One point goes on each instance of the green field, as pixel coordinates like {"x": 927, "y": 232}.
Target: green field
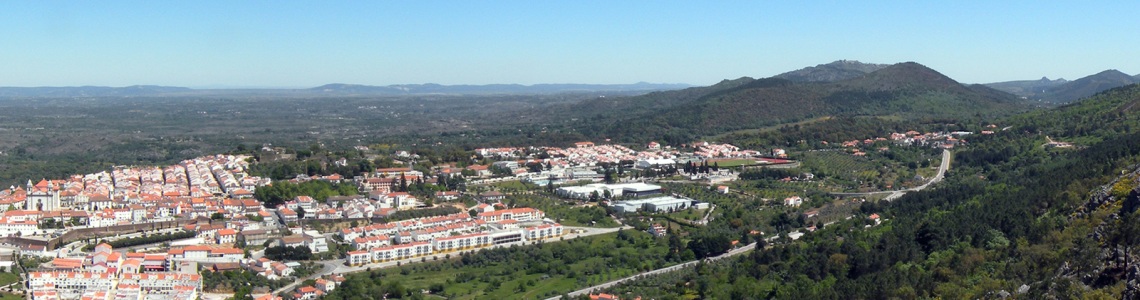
{"x": 8, "y": 278}
{"x": 529, "y": 272}
{"x": 736, "y": 163}
{"x": 515, "y": 185}
{"x": 564, "y": 212}
{"x": 843, "y": 171}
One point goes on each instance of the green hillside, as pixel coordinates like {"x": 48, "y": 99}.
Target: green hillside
{"x": 1026, "y": 87}
{"x": 1084, "y": 87}
{"x": 905, "y": 90}
{"x": 1013, "y": 218}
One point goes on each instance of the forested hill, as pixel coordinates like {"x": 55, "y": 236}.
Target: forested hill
{"x": 1027, "y": 87}
{"x": 1014, "y": 218}
{"x": 1084, "y": 87}
{"x": 831, "y": 72}
{"x": 906, "y": 90}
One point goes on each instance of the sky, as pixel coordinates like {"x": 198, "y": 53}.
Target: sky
{"x": 311, "y": 43}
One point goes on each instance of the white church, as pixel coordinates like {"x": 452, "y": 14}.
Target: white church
{"x": 43, "y": 196}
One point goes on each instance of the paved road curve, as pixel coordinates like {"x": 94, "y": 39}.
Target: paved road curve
{"x": 895, "y": 194}
{"x": 654, "y": 272}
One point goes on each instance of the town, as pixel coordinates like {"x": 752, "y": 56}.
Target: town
{"x": 156, "y": 232}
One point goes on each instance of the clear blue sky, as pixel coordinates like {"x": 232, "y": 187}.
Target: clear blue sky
{"x": 303, "y": 44}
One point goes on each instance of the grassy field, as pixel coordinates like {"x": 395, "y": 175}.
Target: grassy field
{"x": 565, "y": 212}
{"x": 515, "y": 185}
{"x": 735, "y": 163}
{"x": 8, "y": 278}
{"x": 507, "y": 280}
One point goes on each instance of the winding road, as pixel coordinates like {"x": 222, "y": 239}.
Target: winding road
{"x": 896, "y": 194}
{"x": 609, "y": 284}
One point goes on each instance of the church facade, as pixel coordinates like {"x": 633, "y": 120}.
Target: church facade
{"x": 44, "y": 196}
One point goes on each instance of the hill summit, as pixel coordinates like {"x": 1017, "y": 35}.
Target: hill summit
{"x": 1027, "y": 88}
{"x": 831, "y": 72}
{"x": 1086, "y": 86}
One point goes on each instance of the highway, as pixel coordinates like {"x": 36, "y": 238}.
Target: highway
{"x": 896, "y": 194}
{"x": 609, "y": 284}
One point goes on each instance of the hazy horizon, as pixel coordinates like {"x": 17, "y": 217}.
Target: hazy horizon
{"x": 297, "y": 44}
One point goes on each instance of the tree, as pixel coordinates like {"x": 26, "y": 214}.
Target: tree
{"x": 300, "y": 212}
{"x": 217, "y": 216}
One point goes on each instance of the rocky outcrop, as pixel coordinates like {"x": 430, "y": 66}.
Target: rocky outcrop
{"x": 1116, "y": 259}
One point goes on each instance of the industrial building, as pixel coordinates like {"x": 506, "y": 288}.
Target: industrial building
{"x": 659, "y": 204}
{"x": 615, "y": 190}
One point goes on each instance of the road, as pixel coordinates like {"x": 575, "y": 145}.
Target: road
{"x": 896, "y": 194}
{"x": 705, "y": 220}
{"x": 329, "y": 267}
{"x": 654, "y": 272}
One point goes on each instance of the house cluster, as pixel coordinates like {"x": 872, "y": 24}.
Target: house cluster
{"x": 270, "y": 269}
{"x": 419, "y": 230}
{"x": 909, "y": 138}
{"x": 794, "y": 201}
{"x": 444, "y": 234}
{"x": 377, "y": 203}
{"x": 561, "y": 165}
{"x": 114, "y": 275}
{"x": 386, "y": 180}
{"x": 224, "y": 233}
{"x": 332, "y": 178}
{"x": 712, "y": 150}
{"x": 506, "y": 152}
{"x": 376, "y": 235}
{"x": 126, "y": 195}
{"x": 320, "y": 287}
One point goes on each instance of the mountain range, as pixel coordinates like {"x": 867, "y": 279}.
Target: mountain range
{"x": 335, "y": 89}
{"x": 906, "y": 90}
{"x": 431, "y": 88}
{"x": 1061, "y": 91}
{"x": 90, "y": 91}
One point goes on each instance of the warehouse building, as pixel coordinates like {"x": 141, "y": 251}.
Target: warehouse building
{"x": 659, "y": 204}
{"x": 615, "y": 190}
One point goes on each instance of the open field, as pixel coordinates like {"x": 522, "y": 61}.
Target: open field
{"x": 735, "y": 163}
{"x": 554, "y": 269}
